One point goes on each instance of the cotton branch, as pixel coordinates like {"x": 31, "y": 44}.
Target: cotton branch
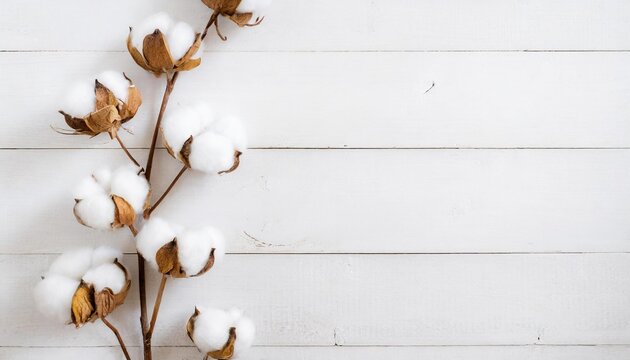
{"x": 120, "y": 340}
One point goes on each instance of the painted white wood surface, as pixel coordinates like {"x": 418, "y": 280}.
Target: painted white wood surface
{"x": 351, "y": 201}
{"x": 352, "y": 99}
{"x": 338, "y": 261}
{"x": 350, "y": 300}
{"x": 336, "y": 25}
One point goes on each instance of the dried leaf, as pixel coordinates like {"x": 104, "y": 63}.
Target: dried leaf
{"x": 104, "y": 96}
{"x": 223, "y": 6}
{"x": 190, "y": 325}
{"x": 125, "y": 214}
{"x": 237, "y": 162}
{"x": 136, "y": 55}
{"x": 241, "y": 19}
{"x": 103, "y": 119}
{"x": 76, "y": 123}
{"x": 168, "y": 261}
{"x": 82, "y": 304}
{"x": 185, "y": 151}
{"x": 190, "y": 53}
{"x": 156, "y": 52}
{"x": 227, "y": 351}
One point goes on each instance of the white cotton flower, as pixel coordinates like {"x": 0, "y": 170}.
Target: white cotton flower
{"x": 105, "y": 255}
{"x": 215, "y": 142}
{"x": 160, "y": 21}
{"x": 80, "y": 100}
{"x": 116, "y": 82}
{"x": 106, "y": 276}
{"x": 72, "y": 264}
{"x": 180, "y": 38}
{"x": 253, "y": 6}
{"x": 95, "y": 206}
{"x": 128, "y": 185}
{"x": 53, "y": 297}
{"x": 211, "y": 329}
{"x": 211, "y": 153}
{"x": 155, "y": 233}
{"x": 195, "y": 246}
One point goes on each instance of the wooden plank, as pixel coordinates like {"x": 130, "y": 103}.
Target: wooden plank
{"x": 352, "y": 201}
{"x": 323, "y": 300}
{"x": 335, "y": 25}
{"x": 352, "y": 99}
{"x": 342, "y": 353}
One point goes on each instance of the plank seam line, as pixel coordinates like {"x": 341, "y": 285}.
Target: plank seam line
{"x": 317, "y": 346}
{"x": 335, "y": 148}
{"x": 344, "y": 51}
{"x": 374, "y": 253}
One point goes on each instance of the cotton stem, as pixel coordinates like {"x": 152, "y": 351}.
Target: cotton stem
{"x": 156, "y": 306}
{"x": 124, "y": 148}
{"x": 120, "y": 340}
{"x": 148, "y": 212}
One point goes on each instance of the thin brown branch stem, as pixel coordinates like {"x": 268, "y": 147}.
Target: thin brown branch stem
{"x": 120, "y": 340}
{"x": 170, "y": 187}
{"x": 170, "y": 84}
{"x": 122, "y": 146}
{"x": 212, "y": 20}
{"x": 156, "y": 306}
{"x": 143, "y": 301}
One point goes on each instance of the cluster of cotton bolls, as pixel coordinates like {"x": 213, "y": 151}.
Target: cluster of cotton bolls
{"x": 96, "y": 267}
{"x": 161, "y": 44}
{"x": 110, "y": 199}
{"x": 194, "y": 136}
{"x": 193, "y": 253}
{"x": 220, "y": 334}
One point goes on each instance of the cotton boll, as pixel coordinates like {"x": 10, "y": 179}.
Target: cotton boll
{"x": 161, "y": 21}
{"x": 212, "y": 329}
{"x": 72, "y": 264}
{"x": 193, "y": 250}
{"x": 96, "y": 211}
{"x": 116, "y": 82}
{"x": 245, "y": 333}
{"x": 53, "y": 297}
{"x": 179, "y": 125}
{"x": 132, "y": 187}
{"x": 106, "y": 276}
{"x": 232, "y": 128}
{"x": 154, "y": 234}
{"x": 86, "y": 188}
{"x": 205, "y": 114}
{"x": 103, "y": 176}
{"x": 81, "y": 100}
{"x": 211, "y": 153}
{"x": 180, "y": 38}
{"x": 105, "y": 255}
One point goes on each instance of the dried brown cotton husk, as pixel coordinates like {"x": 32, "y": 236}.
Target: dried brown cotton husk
{"x": 230, "y": 9}
{"x": 168, "y": 262}
{"x": 109, "y": 112}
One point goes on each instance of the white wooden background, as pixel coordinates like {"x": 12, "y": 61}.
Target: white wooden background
{"x": 431, "y": 179}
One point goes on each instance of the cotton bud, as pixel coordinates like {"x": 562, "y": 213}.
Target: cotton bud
{"x": 161, "y": 45}
{"x": 193, "y": 136}
{"x": 108, "y": 200}
{"x": 178, "y": 252}
{"x": 240, "y": 11}
{"x": 103, "y": 105}
{"x": 82, "y": 285}
{"x": 220, "y": 334}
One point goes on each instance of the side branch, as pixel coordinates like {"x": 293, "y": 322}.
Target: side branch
{"x": 148, "y": 212}
{"x": 120, "y": 340}
{"x": 156, "y": 306}
{"x": 170, "y": 84}
{"x": 122, "y": 146}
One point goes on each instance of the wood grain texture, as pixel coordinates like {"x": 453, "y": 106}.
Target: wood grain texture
{"x": 342, "y": 353}
{"x": 323, "y": 300}
{"x": 360, "y": 201}
{"x": 355, "y": 100}
{"x": 336, "y": 25}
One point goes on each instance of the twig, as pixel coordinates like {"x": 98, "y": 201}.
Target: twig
{"x": 120, "y": 340}
{"x": 143, "y": 301}
{"x": 122, "y": 146}
{"x": 212, "y": 20}
{"x": 148, "y": 212}
{"x": 170, "y": 83}
{"x": 156, "y": 306}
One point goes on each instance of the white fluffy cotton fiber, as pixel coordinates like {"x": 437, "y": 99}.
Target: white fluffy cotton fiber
{"x": 155, "y": 233}
{"x": 80, "y": 100}
{"x": 106, "y": 276}
{"x": 212, "y": 329}
{"x": 116, "y": 82}
{"x": 179, "y": 35}
{"x": 53, "y": 297}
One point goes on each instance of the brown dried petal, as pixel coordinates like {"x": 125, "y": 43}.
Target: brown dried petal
{"x": 130, "y": 108}
{"x": 191, "y": 51}
{"x": 125, "y": 214}
{"x": 227, "y": 351}
{"x": 185, "y": 151}
{"x": 190, "y": 325}
{"x": 189, "y": 65}
{"x": 103, "y": 119}
{"x": 82, "y": 304}
{"x": 156, "y": 52}
{"x": 208, "y": 265}
{"x": 168, "y": 261}
{"x": 76, "y": 123}
{"x": 106, "y": 301}
{"x": 237, "y": 162}
{"x": 241, "y": 19}
{"x": 104, "y": 96}
{"x": 136, "y": 55}
{"x": 223, "y": 6}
